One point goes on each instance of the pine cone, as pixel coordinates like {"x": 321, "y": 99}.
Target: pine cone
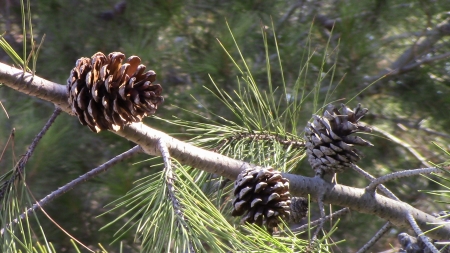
{"x": 411, "y": 244}
{"x": 262, "y": 194}
{"x": 329, "y": 143}
{"x": 299, "y": 209}
{"x": 106, "y": 94}
{"x": 443, "y": 215}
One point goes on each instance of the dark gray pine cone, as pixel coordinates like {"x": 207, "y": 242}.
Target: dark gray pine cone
{"x": 411, "y": 244}
{"x": 106, "y": 94}
{"x": 329, "y": 144}
{"x": 299, "y": 209}
{"x": 443, "y": 215}
{"x": 262, "y": 196}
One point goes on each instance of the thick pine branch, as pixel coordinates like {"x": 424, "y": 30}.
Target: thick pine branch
{"x": 148, "y": 138}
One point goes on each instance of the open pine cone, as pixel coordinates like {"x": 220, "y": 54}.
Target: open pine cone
{"x": 106, "y": 94}
{"x": 262, "y": 194}
{"x": 329, "y": 143}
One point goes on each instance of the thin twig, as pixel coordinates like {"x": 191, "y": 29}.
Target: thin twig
{"x": 432, "y": 131}
{"x": 62, "y": 229}
{"x": 261, "y": 136}
{"x": 322, "y": 218}
{"x": 38, "y": 137}
{"x": 20, "y": 166}
{"x": 11, "y": 135}
{"x": 408, "y": 147}
{"x": 72, "y": 184}
{"x": 416, "y": 63}
{"x": 4, "y": 109}
{"x": 170, "y": 177}
{"x": 305, "y": 227}
{"x": 376, "y": 237}
{"x": 287, "y": 15}
{"x": 388, "y": 193}
{"x": 420, "y": 234}
{"x": 386, "y": 40}
{"x": 408, "y": 60}
{"x": 399, "y": 174}
{"x": 415, "y": 124}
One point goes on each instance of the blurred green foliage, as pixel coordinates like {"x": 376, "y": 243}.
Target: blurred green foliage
{"x": 178, "y": 39}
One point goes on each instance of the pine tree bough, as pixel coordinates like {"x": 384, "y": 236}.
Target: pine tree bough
{"x": 355, "y": 198}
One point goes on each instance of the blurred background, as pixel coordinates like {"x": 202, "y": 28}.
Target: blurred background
{"x": 178, "y": 39}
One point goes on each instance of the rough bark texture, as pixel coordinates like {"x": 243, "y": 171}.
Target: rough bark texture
{"x": 34, "y": 86}
{"x": 341, "y": 195}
